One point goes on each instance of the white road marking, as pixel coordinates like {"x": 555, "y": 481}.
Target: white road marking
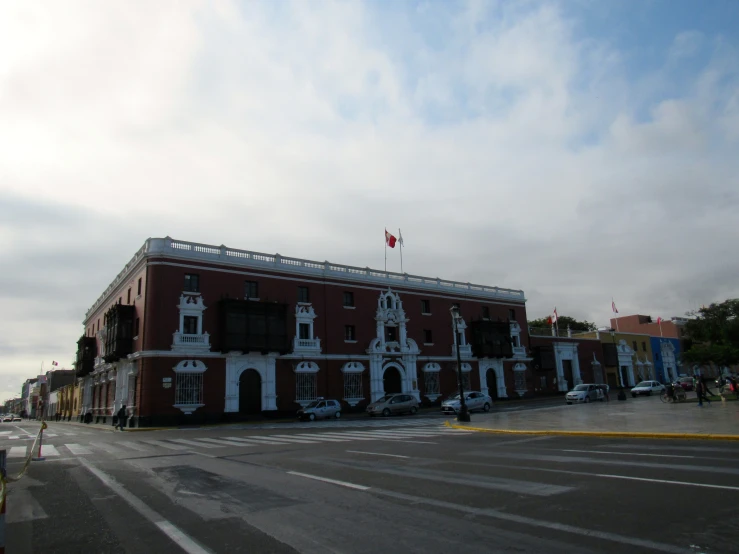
{"x": 17, "y": 452}
{"x": 626, "y": 453}
{"x": 332, "y": 481}
{"x": 49, "y": 450}
{"x": 223, "y": 442}
{"x": 104, "y": 446}
{"x": 307, "y": 439}
{"x": 292, "y": 439}
{"x": 377, "y": 454}
{"x": 327, "y": 437}
{"x": 419, "y": 442}
{"x": 5, "y": 432}
{"x": 78, "y": 449}
{"x": 686, "y": 483}
{"x": 134, "y": 446}
{"x": 256, "y": 440}
{"x": 24, "y": 507}
{"x": 182, "y": 540}
{"x": 194, "y": 443}
{"x": 163, "y": 444}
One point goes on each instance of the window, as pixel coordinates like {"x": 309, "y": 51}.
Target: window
{"x": 543, "y": 381}
{"x": 139, "y": 289}
{"x": 466, "y": 380}
{"x": 432, "y": 382}
{"x": 520, "y": 380}
{"x": 304, "y": 331}
{"x": 390, "y": 334}
{"x": 353, "y": 385}
{"x": 251, "y": 289}
{"x": 136, "y": 327}
{"x": 486, "y": 312}
{"x": 128, "y": 297}
{"x": 349, "y": 332}
{"x": 644, "y": 346}
{"x": 190, "y": 325}
{"x": 189, "y": 388}
{"x": 305, "y": 387}
{"x": 131, "y": 390}
{"x": 427, "y": 336}
{"x": 512, "y": 314}
{"x": 636, "y": 348}
{"x": 303, "y": 294}
{"x": 425, "y": 306}
{"x": 192, "y": 282}
{"x": 348, "y": 299}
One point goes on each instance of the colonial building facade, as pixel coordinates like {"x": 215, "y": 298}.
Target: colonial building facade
{"x": 192, "y": 332}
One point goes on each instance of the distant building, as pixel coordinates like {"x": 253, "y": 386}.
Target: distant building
{"x": 197, "y": 333}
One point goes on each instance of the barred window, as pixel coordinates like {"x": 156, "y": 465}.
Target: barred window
{"x": 189, "y": 388}
{"x": 520, "y": 380}
{"x": 432, "y": 382}
{"x": 131, "y": 402}
{"x": 466, "y": 385}
{"x": 353, "y": 385}
{"x": 305, "y": 386}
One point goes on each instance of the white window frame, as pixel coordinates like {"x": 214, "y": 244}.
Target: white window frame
{"x": 306, "y": 383}
{"x": 304, "y": 315}
{"x": 466, "y": 377}
{"x": 189, "y": 379}
{"x": 353, "y": 388}
{"x": 191, "y": 305}
{"x": 431, "y": 375}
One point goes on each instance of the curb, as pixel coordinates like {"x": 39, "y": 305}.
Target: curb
{"x": 601, "y": 434}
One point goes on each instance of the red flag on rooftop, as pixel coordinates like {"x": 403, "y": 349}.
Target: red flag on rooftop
{"x": 613, "y": 307}
{"x": 390, "y": 239}
{"x": 555, "y": 317}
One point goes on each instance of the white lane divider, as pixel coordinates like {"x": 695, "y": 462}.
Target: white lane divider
{"x": 332, "y": 481}
{"x": 223, "y": 442}
{"x": 167, "y": 445}
{"x": 665, "y": 481}
{"x": 198, "y": 444}
{"x": 104, "y": 446}
{"x": 626, "y": 453}
{"x": 377, "y": 454}
{"x": 134, "y": 446}
{"x": 182, "y": 540}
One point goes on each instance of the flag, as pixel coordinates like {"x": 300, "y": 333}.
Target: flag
{"x": 659, "y": 321}
{"x": 390, "y": 239}
{"x": 554, "y": 317}
{"x": 613, "y": 307}
{"x": 54, "y": 363}
{"x": 549, "y": 320}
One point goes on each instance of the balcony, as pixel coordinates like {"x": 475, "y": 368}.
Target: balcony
{"x": 306, "y": 346}
{"x": 519, "y": 351}
{"x": 200, "y": 343}
{"x": 465, "y": 350}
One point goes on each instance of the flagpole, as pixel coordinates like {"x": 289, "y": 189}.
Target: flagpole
{"x": 400, "y": 236}
{"x": 615, "y": 316}
{"x": 385, "y": 249}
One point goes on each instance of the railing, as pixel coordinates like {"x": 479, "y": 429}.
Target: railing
{"x": 191, "y": 341}
{"x": 165, "y": 246}
{"x": 465, "y": 350}
{"x": 519, "y": 351}
{"x": 306, "y": 344}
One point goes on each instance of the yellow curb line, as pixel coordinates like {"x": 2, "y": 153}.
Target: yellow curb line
{"x": 604, "y": 434}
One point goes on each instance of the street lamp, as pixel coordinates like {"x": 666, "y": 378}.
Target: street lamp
{"x": 464, "y": 414}
{"x": 615, "y": 350}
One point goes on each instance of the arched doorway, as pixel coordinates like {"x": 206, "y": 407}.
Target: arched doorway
{"x": 491, "y": 378}
{"x": 250, "y": 392}
{"x": 392, "y": 381}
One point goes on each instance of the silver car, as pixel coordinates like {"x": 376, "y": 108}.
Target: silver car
{"x": 320, "y": 409}
{"x": 475, "y": 401}
{"x": 584, "y": 393}
{"x": 393, "y": 404}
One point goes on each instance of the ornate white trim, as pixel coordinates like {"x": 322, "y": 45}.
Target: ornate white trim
{"x": 352, "y": 367}
{"x": 304, "y": 315}
{"x": 191, "y": 305}
{"x": 190, "y": 366}
{"x": 307, "y": 367}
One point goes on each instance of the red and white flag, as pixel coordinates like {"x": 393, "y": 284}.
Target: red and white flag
{"x": 390, "y": 240}
{"x": 54, "y": 363}
{"x": 659, "y": 321}
{"x": 554, "y": 317}
{"x": 613, "y": 307}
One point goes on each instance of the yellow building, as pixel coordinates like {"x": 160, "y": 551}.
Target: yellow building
{"x": 628, "y": 357}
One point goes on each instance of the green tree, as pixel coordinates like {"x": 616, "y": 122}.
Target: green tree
{"x": 714, "y": 335}
{"x": 563, "y": 322}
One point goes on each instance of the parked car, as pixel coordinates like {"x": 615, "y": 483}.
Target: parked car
{"x": 320, "y": 409}
{"x": 8, "y": 417}
{"x": 475, "y": 401}
{"x": 393, "y": 404}
{"x": 16, "y": 417}
{"x": 686, "y": 383}
{"x": 584, "y": 393}
{"x": 647, "y": 388}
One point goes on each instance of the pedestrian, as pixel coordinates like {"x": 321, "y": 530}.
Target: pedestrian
{"x": 700, "y": 391}
{"x": 122, "y": 418}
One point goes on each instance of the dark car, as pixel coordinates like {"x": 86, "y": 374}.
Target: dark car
{"x": 686, "y": 383}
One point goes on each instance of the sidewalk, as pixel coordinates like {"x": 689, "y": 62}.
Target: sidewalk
{"x": 646, "y": 417}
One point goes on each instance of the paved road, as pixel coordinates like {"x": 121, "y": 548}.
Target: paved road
{"x": 393, "y": 485}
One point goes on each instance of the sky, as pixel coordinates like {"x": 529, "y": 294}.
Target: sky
{"x": 580, "y": 150}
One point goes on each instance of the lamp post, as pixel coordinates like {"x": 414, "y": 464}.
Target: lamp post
{"x": 615, "y": 349}
{"x": 464, "y": 414}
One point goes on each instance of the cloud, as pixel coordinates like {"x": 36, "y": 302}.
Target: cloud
{"x": 512, "y": 146}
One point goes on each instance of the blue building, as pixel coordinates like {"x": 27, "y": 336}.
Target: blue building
{"x": 666, "y": 352}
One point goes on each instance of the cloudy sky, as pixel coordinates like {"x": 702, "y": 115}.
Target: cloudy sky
{"x": 579, "y": 150}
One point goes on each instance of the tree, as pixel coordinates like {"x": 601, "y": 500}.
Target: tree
{"x": 714, "y": 335}
{"x": 563, "y": 322}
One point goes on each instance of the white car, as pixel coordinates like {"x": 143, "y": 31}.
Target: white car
{"x": 474, "y": 400}
{"x": 647, "y": 388}
{"x": 584, "y": 393}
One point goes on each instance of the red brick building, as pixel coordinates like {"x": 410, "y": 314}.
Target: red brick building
{"x": 562, "y": 360}
{"x": 191, "y": 332}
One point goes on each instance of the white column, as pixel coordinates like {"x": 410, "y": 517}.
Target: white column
{"x": 576, "y": 368}
{"x": 376, "y": 386}
{"x": 232, "y": 390}
{"x": 562, "y": 384}
{"x": 269, "y": 396}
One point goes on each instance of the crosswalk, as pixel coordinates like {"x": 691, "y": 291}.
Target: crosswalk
{"x": 146, "y": 446}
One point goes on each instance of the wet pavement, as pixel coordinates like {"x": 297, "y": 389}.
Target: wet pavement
{"x": 634, "y": 415}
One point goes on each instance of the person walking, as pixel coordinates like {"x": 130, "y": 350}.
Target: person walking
{"x": 700, "y": 390}
{"x": 122, "y": 418}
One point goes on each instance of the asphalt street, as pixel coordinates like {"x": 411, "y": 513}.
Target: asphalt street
{"x": 400, "y": 484}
